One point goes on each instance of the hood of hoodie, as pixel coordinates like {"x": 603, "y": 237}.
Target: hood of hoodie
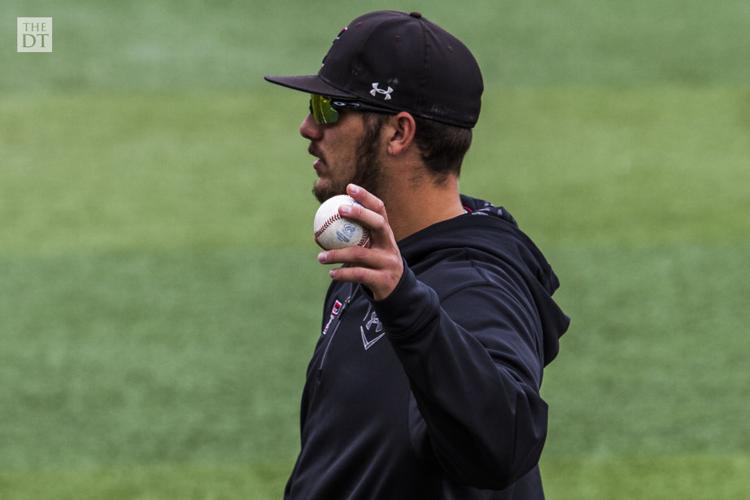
{"x": 494, "y": 232}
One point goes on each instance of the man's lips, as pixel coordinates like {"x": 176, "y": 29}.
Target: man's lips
{"x": 318, "y": 166}
{"x": 320, "y": 162}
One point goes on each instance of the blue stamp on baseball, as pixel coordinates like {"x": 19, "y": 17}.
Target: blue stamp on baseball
{"x": 345, "y": 233}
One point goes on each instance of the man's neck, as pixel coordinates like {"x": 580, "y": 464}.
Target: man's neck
{"x": 413, "y": 208}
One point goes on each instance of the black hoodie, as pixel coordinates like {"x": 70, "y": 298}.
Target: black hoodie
{"x": 433, "y": 393}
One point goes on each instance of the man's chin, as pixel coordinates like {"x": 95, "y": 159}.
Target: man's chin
{"x": 323, "y": 190}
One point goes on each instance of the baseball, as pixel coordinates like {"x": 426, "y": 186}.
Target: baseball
{"x": 333, "y": 231}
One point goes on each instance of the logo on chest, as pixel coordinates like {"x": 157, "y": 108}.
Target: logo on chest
{"x": 371, "y": 329}
{"x": 335, "y": 310}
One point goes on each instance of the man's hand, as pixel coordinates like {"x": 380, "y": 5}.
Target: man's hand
{"x": 379, "y": 267}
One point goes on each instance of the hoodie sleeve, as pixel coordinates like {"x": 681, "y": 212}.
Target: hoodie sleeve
{"x": 474, "y": 370}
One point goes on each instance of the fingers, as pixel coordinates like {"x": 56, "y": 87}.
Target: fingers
{"x": 360, "y": 256}
{"x": 355, "y": 275}
{"x": 380, "y": 281}
{"x": 367, "y": 199}
{"x": 359, "y": 213}
{"x": 371, "y": 213}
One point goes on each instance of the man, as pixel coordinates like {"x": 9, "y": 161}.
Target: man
{"x": 425, "y": 381}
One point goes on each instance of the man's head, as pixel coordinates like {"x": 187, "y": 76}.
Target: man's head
{"x": 391, "y": 86}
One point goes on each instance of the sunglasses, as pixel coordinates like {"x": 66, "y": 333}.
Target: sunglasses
{"x": 325, "y": 111}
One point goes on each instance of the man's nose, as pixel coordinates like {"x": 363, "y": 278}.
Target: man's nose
{"x": 309, "y": 129}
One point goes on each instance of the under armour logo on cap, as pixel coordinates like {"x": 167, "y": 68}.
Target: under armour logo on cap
{"x": 376, "y": 90}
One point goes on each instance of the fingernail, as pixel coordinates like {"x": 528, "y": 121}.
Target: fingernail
{"x": 332, "y": 273}
{"x": 353, "y": 188}
{"x": 345, "y": 209}
{"x": 322, "y": 256}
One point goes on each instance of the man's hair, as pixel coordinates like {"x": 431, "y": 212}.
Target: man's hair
{"x": 441, "y": 146}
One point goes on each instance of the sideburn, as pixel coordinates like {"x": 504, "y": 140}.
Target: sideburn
{"x": 368, "y": 170}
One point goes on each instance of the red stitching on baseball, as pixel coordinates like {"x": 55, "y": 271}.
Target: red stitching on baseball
{"x": 327, "y": 224}
{"x": 364, "y": 241}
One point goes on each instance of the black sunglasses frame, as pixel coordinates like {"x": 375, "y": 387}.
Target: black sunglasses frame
{"x": 360, "y": 106}
{"x": 350, "y": 105}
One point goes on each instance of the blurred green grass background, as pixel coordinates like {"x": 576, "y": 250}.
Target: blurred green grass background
{"x": 159, "y": 296}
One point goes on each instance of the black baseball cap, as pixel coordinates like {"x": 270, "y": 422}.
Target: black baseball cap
{"x": 400, "y": 62}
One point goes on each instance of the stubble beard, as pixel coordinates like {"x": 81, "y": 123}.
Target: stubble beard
{"x": 367, "y": 169}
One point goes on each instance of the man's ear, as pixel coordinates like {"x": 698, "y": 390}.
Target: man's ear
{"x": 402, "y": 129}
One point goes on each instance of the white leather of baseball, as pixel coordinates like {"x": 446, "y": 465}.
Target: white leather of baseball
{"x": 332, "y": 231}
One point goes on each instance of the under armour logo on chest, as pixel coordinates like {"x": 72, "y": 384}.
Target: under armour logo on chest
{"x": 377, "y": 90}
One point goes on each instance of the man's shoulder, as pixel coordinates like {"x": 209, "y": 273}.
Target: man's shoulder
{"x": 450, "y": 270}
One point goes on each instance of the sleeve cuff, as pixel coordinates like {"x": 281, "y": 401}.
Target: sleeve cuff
{"x": 409, "y": 306}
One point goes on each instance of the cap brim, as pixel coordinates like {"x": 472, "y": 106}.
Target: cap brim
{"x": 312, "y": 84}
